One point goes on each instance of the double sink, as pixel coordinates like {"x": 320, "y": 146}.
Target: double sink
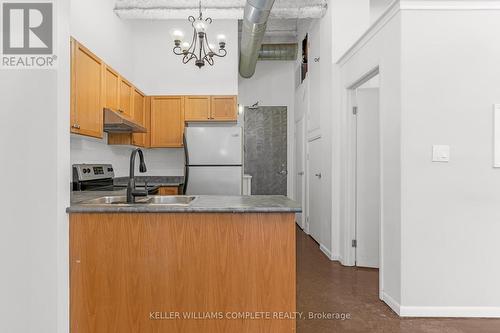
{"x": 150, "y": 200}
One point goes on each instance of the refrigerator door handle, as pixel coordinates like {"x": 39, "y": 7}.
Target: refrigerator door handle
{"x": 186, "y": 168}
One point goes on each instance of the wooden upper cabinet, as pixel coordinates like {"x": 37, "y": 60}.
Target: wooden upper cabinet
{"x": 167, "y": 121}
{"x": 139, "y": 101}
{"x": 139, "y": 139}
{"x": 224, "y": 108}
{"x": 111, "y": 88}
{"x": 197, "y": 108}
{"x": 126, "y": 97}
{"x": 86, "y": 92}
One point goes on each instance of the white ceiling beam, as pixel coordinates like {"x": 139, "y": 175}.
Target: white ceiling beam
{"x": 216, "y": 9}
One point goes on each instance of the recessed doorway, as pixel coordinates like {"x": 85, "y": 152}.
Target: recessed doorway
{"x": 367, "y": 128}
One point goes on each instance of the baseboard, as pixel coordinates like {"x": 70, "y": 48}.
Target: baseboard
{"x": 391, "y": 302}
{"x": 450, "y": 311}
{"x": 328, "y": 253}
{"x": 440, "y": 311}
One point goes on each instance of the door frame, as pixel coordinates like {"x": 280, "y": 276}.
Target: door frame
{"x": 308, "y": 180}
{"x": 303, "y": 160}
{"x": 351, "y": 188}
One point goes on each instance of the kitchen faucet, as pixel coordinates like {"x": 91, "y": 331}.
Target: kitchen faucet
{"x": 132, "y": 192}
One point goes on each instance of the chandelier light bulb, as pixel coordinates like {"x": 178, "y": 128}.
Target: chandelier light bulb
{"x": 201, "y": 26}
{"x": 177, "y": 36}
{"x": 185, "y": 46}
{"x": 222, "y": 41}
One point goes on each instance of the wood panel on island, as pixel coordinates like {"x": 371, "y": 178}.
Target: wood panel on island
{"x": 130, "y": 270}
{"x": 96, "y": 86}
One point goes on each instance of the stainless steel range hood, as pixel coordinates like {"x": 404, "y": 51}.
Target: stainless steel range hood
{"x": 116, "y": 122}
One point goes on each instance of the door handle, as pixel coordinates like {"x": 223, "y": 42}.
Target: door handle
{"x": 301, "y": 173}
{"x": 283, "y": 172}
{"x": 318, "y": 175}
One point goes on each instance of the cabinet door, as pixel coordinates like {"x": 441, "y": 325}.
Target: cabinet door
{"x": 126, "y": 97}
{"x": 111, "y": 88}
{"x": 224, "y": 108}
{"x": 139, "y": 139}
{"x": 86, "y": 91}
{"x": 168, "y": 190}
{"x": 197, "y": 108}
{"x": 167, "y": 121}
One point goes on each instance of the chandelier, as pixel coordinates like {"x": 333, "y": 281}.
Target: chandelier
{"x": 200, "y": 49}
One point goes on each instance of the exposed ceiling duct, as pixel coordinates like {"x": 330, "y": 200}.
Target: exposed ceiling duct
{"x": 278, "y": 51}
{"x": 254, "y": 27}
{"x": 217, "y": 9}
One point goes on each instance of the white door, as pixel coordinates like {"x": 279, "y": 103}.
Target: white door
{"x": 300, "y": 165}
{"x": 367, "y": 178}
{"x": 315, "y": 197}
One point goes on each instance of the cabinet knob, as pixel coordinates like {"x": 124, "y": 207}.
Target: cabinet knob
{"x": 76, "y": 126}
{"x": 318, "y": 175}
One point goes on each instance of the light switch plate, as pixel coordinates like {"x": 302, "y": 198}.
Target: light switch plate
{"x": 440, "y": 153}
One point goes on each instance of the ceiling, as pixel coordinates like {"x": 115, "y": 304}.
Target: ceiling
{"x": 282, "y": 26}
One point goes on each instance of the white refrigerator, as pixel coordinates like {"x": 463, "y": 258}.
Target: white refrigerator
{"x": 214, "y": 160}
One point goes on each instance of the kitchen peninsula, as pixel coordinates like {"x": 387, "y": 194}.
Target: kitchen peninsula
{"x": 226, "y": 262}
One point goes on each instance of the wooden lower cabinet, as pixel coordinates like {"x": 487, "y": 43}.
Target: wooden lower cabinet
{"x": 167, "y": 121}
{"x": 135, "y": 272}
{"x": 168, "y": 190}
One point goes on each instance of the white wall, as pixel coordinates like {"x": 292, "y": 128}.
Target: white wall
{"x": 94, "y": 24}
{"x": 352, "y": 18}
{"x": 33, "y": 228}
{"x": 273, "y": 85}
{"x": 381, "y": 49}
{"x": 142, "y": 52}
{"x": 159, "y": 162}
{"x": 439, "y": 220}
{"x": 160, "y": 72}
{"x": 450, "y": 211}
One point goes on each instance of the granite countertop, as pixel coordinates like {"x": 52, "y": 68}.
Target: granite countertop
{"x": 202, "y": 204}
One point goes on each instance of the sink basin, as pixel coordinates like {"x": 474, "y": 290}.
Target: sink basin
{"x": 113, "y": 200}
{"x": 170, "y": 200}
{"x": 151, "y": 200}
